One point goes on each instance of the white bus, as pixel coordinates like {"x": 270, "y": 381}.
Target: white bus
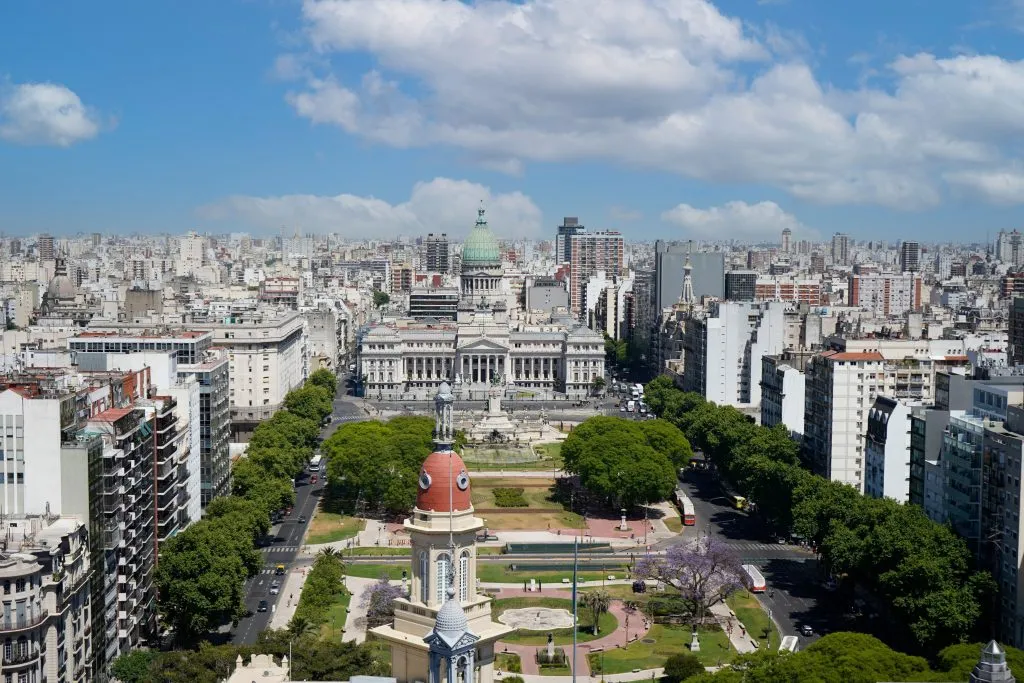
{"x": 757, "y": 583}
{"x": 630, "y": 406}
{"x": 314, "y": 464}
{"x": 788, "y": 644}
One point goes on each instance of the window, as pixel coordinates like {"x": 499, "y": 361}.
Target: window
{"x": 464, "y": 576}
{"x": 424, "y": 578}
{"x": 441, "y": 572}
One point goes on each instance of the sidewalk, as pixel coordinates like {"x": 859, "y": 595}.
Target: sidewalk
{"x": 288, "y": 599}
{"x": 356, "y": 586}
{"x": 738, "y": 635}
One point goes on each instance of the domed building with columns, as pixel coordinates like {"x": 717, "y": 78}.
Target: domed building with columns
{"x": 443, "y": 631}
{"x": 409, "y": 359}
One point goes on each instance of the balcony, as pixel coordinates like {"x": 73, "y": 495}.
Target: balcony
{"x": 20, "y": 657}
{"x": 9, "y": 625}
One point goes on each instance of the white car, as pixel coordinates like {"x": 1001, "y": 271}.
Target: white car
{"x": 275, "y": 588}
{"x": 622, "y": 409}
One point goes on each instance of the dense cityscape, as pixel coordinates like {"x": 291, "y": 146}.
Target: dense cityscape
{"x": 191, "y": 422}
{"x": 511, "y": 341}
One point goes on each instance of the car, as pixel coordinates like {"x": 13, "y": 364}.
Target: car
{"x": 262, "y": 607}
{"x": 302, "y": 519}
{"x": 312, "y": 480}
{"x": 622, "y": 409}
{"x": 279, "y": 570}
{"x": 807, "y": 630}
{"x": 275, "y": 588}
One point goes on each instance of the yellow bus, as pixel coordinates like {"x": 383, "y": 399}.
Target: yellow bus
{"x": 739, "y": 502}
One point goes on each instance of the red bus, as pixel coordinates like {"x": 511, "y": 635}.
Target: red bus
{"x": 686, "y": 508}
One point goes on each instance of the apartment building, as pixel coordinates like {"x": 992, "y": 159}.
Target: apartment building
{"x": 437, "y": 251}
{"x": 886, "y": 294}
{"x": 783, "y": 389}
{"x": 722, "y": 350}
{"x": 840, "y": 389}
{"x": 805, "y": 291}
{"x": 268, "y": 356}
{"x": 213, "y": 377}
{"x": 47, "y": 628}
{"x": 589, "y": 254}
{"x": 887, "y": 450}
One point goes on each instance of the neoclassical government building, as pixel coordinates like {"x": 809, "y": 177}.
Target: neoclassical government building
{"x": 407, "y": 359}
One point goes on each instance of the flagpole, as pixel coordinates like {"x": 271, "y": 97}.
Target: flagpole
{"x": 575, "y": 618}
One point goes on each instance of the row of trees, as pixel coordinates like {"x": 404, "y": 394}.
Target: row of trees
{"x": 920, "y": 571}
{"x": 201, "y": 573}
{"x": 378, "y": 461}
{"x": 625, "y": 462}
{"x": 853, "y": 658}
{"x": 324, "y": 586}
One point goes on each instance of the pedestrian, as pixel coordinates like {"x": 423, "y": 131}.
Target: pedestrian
{"x": 771, "y": 593}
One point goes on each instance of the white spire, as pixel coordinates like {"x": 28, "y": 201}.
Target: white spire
{"x": 687, "y": 296}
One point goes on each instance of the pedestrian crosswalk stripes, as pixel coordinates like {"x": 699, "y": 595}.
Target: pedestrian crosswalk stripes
{"x": 280, "y": 548}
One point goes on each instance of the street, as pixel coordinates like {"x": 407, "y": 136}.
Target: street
{"x": 286, "y": 537}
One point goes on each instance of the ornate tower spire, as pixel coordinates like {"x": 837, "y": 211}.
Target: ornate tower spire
{"x": 444, "y": 433}
{"x": 687, "y": 295}
{"x": 480, "y": 219}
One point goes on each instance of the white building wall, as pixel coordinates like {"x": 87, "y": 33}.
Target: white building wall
{"x": 887, "y": 474}
{"x": 794, "y": 394}
{"x": 770, "y": 340}
{"x": 31, "y": 445}
{"x": 851, "y": 401}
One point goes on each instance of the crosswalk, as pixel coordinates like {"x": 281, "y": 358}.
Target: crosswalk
{"x": 267, "y": 570}
{"x": 280, "y": 549}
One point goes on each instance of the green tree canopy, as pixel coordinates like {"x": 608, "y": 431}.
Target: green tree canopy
{"x": 380, "y": 298}
{"x": 310, "y": 402}
{"x": 326, "y": 379}
{"x": 664, "y": 437}
{"x": 613, "y": 460}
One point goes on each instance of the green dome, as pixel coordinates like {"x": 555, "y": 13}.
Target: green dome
{"x": 481, "y": 248}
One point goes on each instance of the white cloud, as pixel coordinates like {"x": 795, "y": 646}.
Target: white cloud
{"x": 1005, "y": 186}
{"x": 440, "y": 205}
{"x": 44, "y": 114}
{"x": 661, "y": 84}
{"x": 737, "y": 220}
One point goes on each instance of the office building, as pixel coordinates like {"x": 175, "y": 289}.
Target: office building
{"x": 563, "y": 240}
{"x": 46, "y": 247}
{"x": 787, "y": 237}
{"x": 910, "y": 257}
{"x": 434, "y": 304}
{"x": 1010, "y": 247}
{"x": 740, "y": 285}
{"x": 1015, "y": 350}
{"x": 437, "y": 253}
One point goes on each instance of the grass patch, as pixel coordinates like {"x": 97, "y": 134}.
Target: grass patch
{"x": 674, "y": 524}
{"x": 328, "y": 527}
{"x": 750, "y": 613}
{"x": 509, "y": 498}
{"x": 380, "y": 552}
{"x": 563, "y": 636}
{"x": 551, "y": 451}
{"x": 668, "y": 640}
{"x": 555, "y": 670}
{"x": 500, "y": 573}
{"x": 508, "y": 661}
{"x": 375, "y": 571}
{"x": 489, "y": 551}
{"x": 337, "y": 613}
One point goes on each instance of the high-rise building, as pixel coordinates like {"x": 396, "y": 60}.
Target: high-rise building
{"x": 46, "y": 247}
{"x": 886, "y": 294}
{"x": 910, "y": 257}
{"x": 590, "y": 254}
{"x": 191, "y": 253}
{"x": 1010, "y": 247}
{"x": 787, "y": 236}
{"x": 707, "y": 273}
{"x": 740, "y": 285}
{"x": 437, "y": 253}
{"x": 570, "y": 226}
{"x": 840, "y": 249}
{"x": 1015, "y": 349}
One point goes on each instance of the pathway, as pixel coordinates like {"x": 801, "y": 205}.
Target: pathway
{"x": 291, "y": 589}
{"x": 354, "y": 632}
{"x": 738, "y": 634}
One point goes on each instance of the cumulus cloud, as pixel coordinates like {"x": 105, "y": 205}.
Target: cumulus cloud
{"x": 737, "y": 220}
{"x": 1003, "y": 186}
{"x": 45, "y": 114}
{"x": 440, "y": 205}
{"x": 672, "y": 85}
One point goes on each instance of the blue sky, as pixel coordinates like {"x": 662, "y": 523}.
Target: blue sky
{"x": 660, "y": 118}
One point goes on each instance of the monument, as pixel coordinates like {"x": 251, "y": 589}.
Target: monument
{"x": 443, "y": 631}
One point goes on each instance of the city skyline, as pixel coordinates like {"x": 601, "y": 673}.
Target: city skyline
{"x": 690, "y": 120}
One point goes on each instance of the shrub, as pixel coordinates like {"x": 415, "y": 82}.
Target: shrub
{"x": 509, "y": 498}
{"x": 681, "y": 666}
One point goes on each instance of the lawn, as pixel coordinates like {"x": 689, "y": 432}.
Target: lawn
{"x": 667, "y": 640}
{"x": 674, "y": 524}
{"x": 543, "y": 512}
{"x": 374, "y": 571}
{"x": 493, "y": 572}
{"x": 379, "y": 552}
{"x": 607, "y": 624}
{"x": 334, "y": 627}
{"x": 328, "y": 527}
{"x": 750, "y": 613}
{"x": 508, "y": 661}
{"x": 552, "y": 451}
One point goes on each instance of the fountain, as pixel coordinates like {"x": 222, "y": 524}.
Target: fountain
{"x": 494, "y": 426}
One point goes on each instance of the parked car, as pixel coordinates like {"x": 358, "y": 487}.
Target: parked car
{"x": 262, "y": 607}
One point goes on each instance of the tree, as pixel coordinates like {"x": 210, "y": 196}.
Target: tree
{"x": 664, "y": 437}
{"x": 310, "y": 402}
{"x": 598, "y": 603}
{"x": 613, "y": 461}
{"x": 379, "y": 602}
{"x": 682, "y": 666}
{"x": 705, "y": 571}
{"x": 597, "y": 386}
{"x": 380, "y": 298}
{"x": 201, "y": 581}
{"x": 325, "y": 379}
{"x": 133, "y": 667}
